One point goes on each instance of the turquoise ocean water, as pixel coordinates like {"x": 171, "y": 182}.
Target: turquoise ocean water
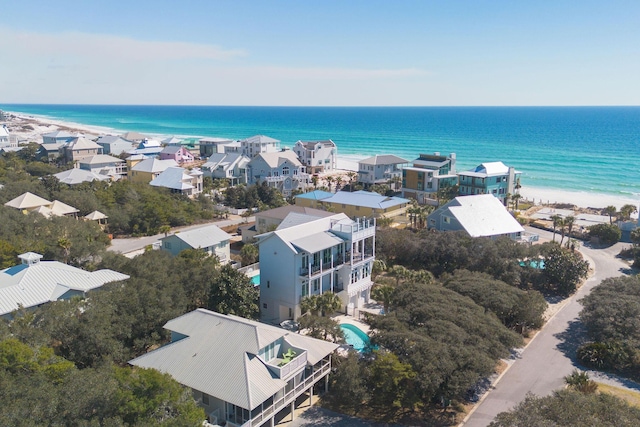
{"x": 589, "y": 149}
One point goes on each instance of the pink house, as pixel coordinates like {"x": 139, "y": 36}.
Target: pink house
{"x": 180, "y": 154}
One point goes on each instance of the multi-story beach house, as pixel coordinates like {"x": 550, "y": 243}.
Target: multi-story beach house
{"x": 356, "y": 204}
{"x": 380, "y": 169}
{"x": 114, "y": 145}
{"x": 178, "y": 153}
{"x": 490, "y": 178}
{"x": 258, "y": 144}
{"x": 4, "y": 136}
{"x": 147, "y": 170}
{"x": 428, "y": 174}
{"x": 317, "y": 156}
{"x": 58, "y": 137}
{"x": 232, "y": 166}
{"x": 281, "y": 170}
{"x": 187, "y": 182}
{"x": 79, "y": 148}
{"x": 103, "y": 164}
{"x": 209, "y": 146}
{"x": 308, "y": 255}
{"x": 243, "y": 373}
{"x": 270, "y": 219}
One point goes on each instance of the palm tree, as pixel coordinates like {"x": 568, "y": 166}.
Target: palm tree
{"x": 611, "y": 211}
{"x": 165, "y": 229}
{"x": 627, "y": 210}
{"x": 329, "y": 302}
{"x": 330, "y": 179}
{"x": 352, "y": 177}
{"x": 561, "y": 224}
{"x": 310, "y": 304}
{"x": 557, "y": 220}
{"x": 383, "y": 294}
{"x": 339, "y": 181}
{"x": 65, "y": 244}
{"x": 314, "y": 181}
{"x": 507, "y": 199}
{"x": 515, "y": 199}
{"x": 401, "y": 273}
{"x": 568, "y": 221}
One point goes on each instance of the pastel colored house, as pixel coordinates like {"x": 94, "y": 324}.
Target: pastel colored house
{"x": 270, "y": 219}
{"x": 148, "y": 169}
{"x": 178, "y": 180}
{"x": 243, "y": 373}
{"x": 58, "y": 137}
{"x": 311, "y": 256}
{"x": 258, "y": 144}
{"x": 380, "y": 169}
{"x": 34, "y": 282}
{"x": 232, "y": 166}
{"x": 281, "y": 170}
{"x": 312, "y": 199}
{"x": 210, "y": 239}
{"x": 479, "y": 215}
{"x": 178, "y": 153}
{"x": 427, "y": 175}
{"x": 50, "y": 151}
{"x": 317, "y": 156}
{"x": 489, "y": 178}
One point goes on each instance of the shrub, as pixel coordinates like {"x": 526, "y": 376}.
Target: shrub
{"x": 608, "y": 234}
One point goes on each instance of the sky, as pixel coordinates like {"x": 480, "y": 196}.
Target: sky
{"x": 321, "y": 52}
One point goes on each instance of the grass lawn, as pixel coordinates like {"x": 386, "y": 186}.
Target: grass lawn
{"x": 632, "y": 397}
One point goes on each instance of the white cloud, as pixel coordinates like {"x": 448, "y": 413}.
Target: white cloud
{"x": 107, "y": 47}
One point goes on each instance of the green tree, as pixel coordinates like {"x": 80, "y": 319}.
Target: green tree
{"x": 556, "y": 222}
{"x": 249, "y": 254}
{"x": 233, "y": 293}
{"x": 563, "y": 270}
{"x": 568, "y": 222}
{"x": 580, "y": 381}
{"x": 323, "y": 328}
{"x": 349, "y": 383}
{"x": 626, "y": 211}
{"x": 383, "y": 294}
{"x": 391, "y": 382}
{"x": 607, "y": 234}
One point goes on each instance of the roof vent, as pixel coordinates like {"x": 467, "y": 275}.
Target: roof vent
{"x": 30, "y": 258}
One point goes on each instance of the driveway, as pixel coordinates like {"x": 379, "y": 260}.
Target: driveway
{"x": 549, "y": 357}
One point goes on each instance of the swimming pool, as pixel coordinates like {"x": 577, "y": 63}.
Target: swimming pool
{"x": 355, "y": 337}
{"x": 533, "y": 263}
{"x": 256, "y": 280}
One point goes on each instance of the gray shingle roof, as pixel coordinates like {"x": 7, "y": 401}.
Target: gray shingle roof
{"x": 219, "y": 356}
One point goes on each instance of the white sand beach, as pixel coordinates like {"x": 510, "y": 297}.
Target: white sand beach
{"x": 30, "y": 128}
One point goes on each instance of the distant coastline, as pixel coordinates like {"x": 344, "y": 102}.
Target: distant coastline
{"x": 591, "y": 167}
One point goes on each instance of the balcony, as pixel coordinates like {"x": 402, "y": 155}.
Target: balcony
{"x": 288, "y": 362}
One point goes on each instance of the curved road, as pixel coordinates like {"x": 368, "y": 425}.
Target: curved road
{"x": 543, "y": 364}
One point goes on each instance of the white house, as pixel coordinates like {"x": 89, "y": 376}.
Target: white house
{"x": 210, "y": 239}
{"x": 281, "y": 169}
{"x": 58, "y": 137}
{"x": 75, "y": 176}
{"x": 380, "y": 169}
{"x": 257, "y": 144}
{"x": 114, "y": 145}
{"x": 241, "y": 372}
{"x": 310, "y": 256}
{"x": 179, "y": 180}
{"x": 318, "y": 156}
{"x": 481, "y": 215}
{"x": 209, "y": 146}
{"x": 4, "y": 136}
{"x": 232, "y": 166}
{"x": 270, "y": 219}
{"x": 34, "y": 282}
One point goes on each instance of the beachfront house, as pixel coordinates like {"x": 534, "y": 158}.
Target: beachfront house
{"x": 307, "y": 255}
{"x": 58, "y": 137}
{"x": 427, "y": 175}
{"x": 4, "y": 136}
{"x": 281, "y": 170}
{"x": 258, "y": 144}
{"x": 146, "y": 170}
{"x": 490, "y": 178}
{"x": 178, "y": 153}
{"x": 380, "y": 169}
{"x": 187, "y": 182}
{"x": 79, "y": 148}
{"x": 317, "y": 156}
{"x": 114, "y": 145}
{"x": 480, "y": 215}
{"x": 210, "y": 239}
{"x": 243, "y": 373}
{"x": 34, "y": 282}
{"x": 103, "y": 164}
{"x": 134, "y": 137}
{"x": 355, "y": 204}
{"x": 232, "y": 166}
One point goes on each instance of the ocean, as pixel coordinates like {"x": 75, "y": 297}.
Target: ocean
{"x": 578, "y": 149}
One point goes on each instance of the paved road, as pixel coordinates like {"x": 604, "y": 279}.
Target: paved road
{"x": 549, "y": 357}
{"x": 132, "y": 244}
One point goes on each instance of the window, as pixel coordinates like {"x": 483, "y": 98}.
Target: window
{"x": 285, "y": 170}
{"x": 205, "y": 399}
{"x": 446, "y": 219}
{"x": 167, "y": 245}
{"x": 305, "y": 289}
{"x": 264, "y": 305}
{"x": 316, "y": 285}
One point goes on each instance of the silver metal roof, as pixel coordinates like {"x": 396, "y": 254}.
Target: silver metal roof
{"x": 317, "y": 242}
{"x": 219, "y": 356}
{"x": 202, "y": 237}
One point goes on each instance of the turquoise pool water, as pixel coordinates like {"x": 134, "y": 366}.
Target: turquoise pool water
{"x": 256, "y": 280}
{"x": 533, "y": 263}
{"x": 355, "y": 337}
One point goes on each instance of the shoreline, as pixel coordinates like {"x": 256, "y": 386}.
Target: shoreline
{"x": 346, "y": 163}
